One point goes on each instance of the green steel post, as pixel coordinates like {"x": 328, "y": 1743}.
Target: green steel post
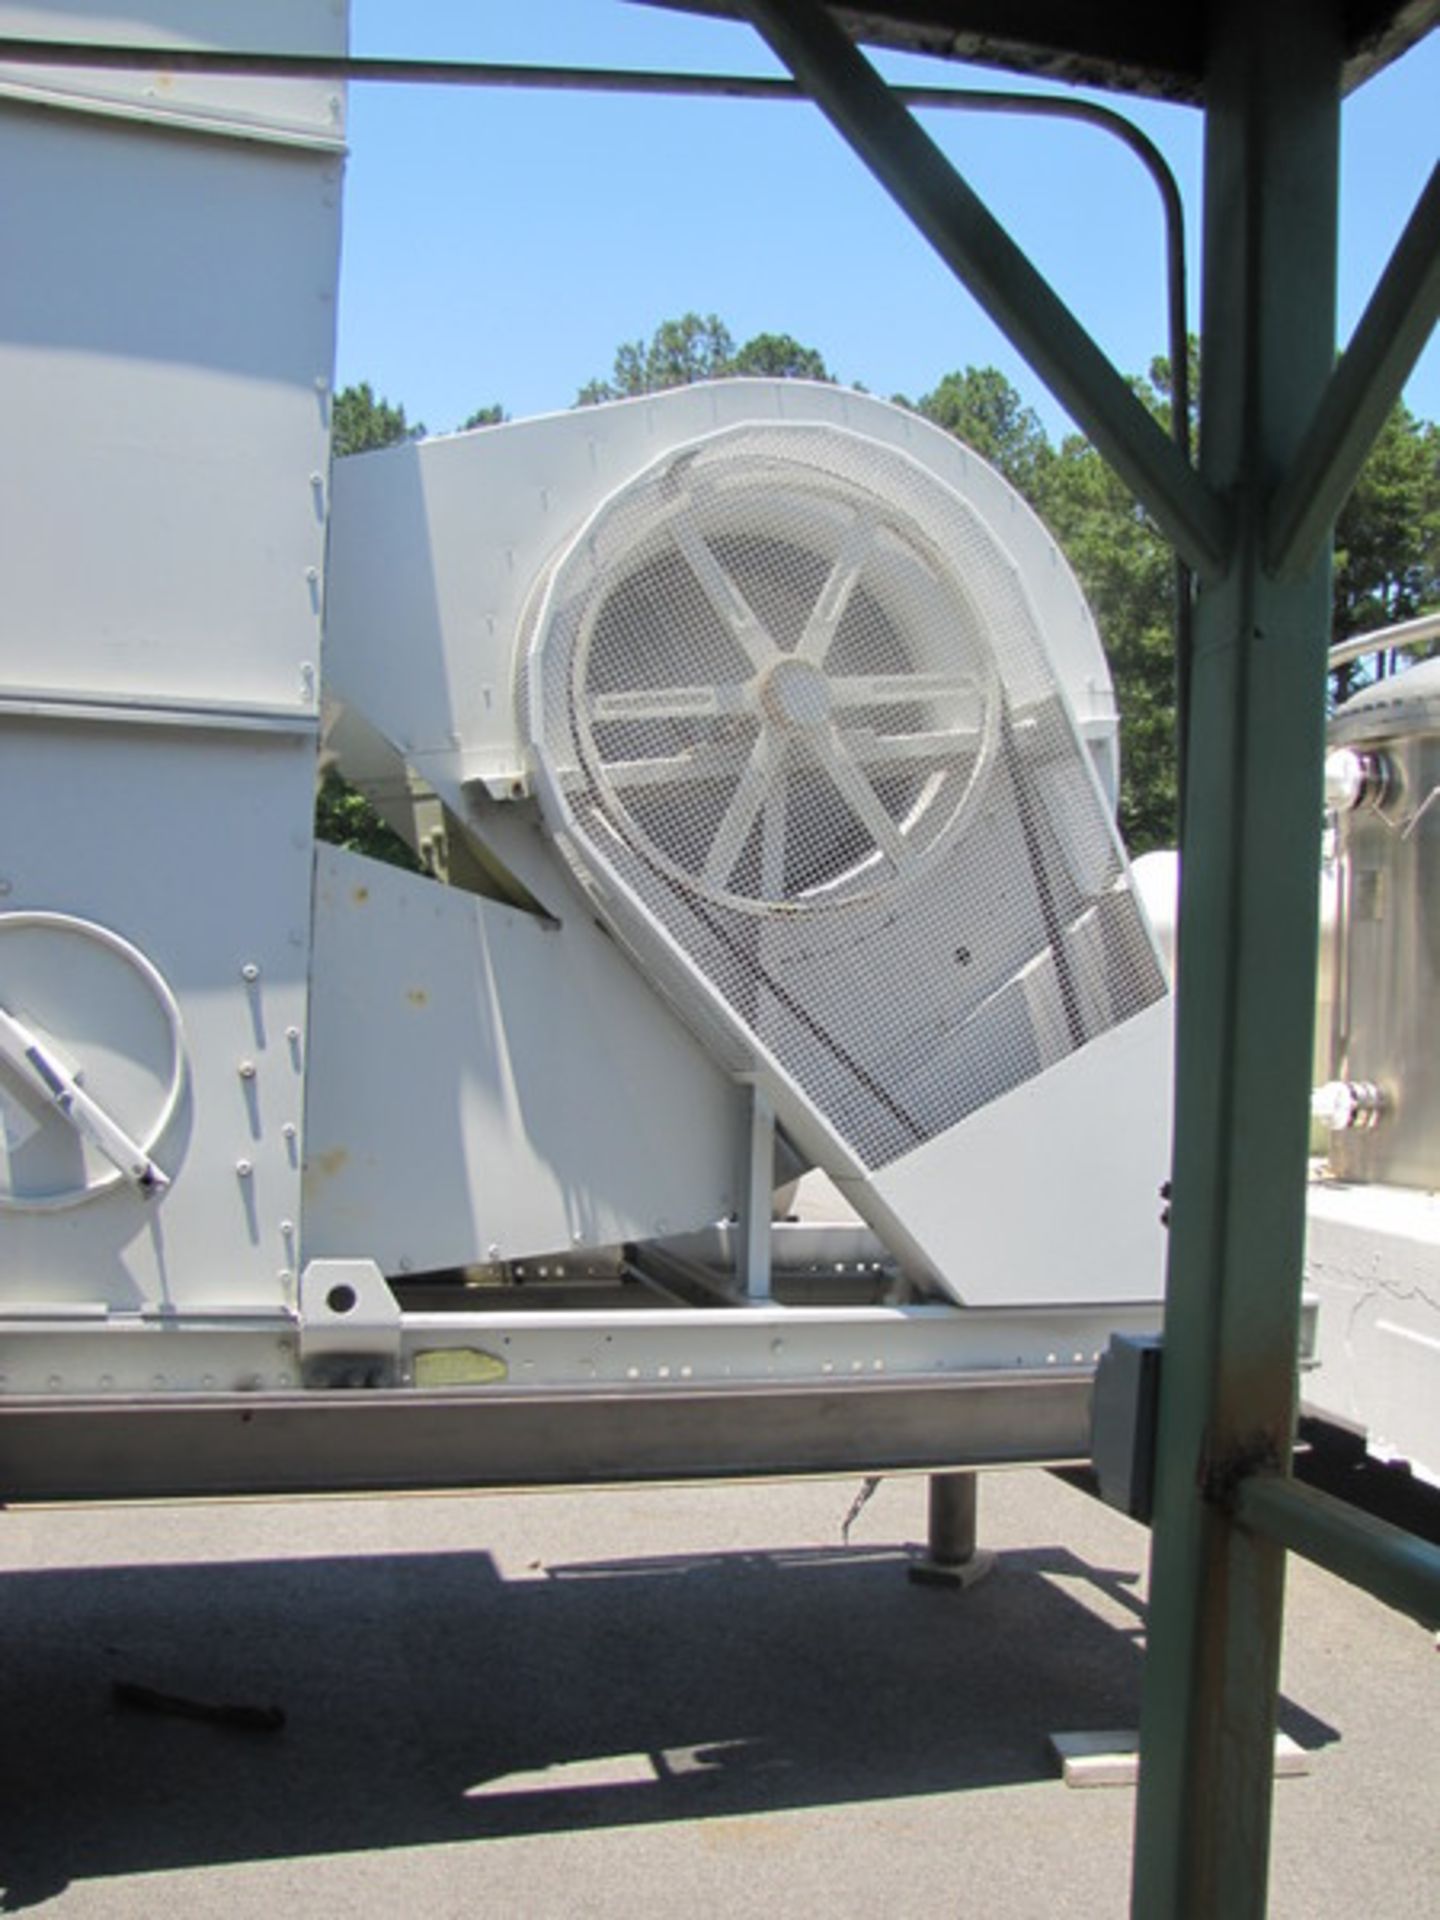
{"x": 1247, "y": 972}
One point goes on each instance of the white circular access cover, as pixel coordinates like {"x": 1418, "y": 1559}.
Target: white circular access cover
{"x": 92, "y": 1063}
{"x": 768, "y": 667}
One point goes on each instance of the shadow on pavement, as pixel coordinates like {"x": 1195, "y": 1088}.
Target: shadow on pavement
{"x": 429, "y": 1700}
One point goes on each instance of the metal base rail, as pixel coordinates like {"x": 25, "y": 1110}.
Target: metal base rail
{"x": 388, "y": 1441}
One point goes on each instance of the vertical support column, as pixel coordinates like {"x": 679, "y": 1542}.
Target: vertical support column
{"x": 952, "y": 1558}
{"x": 757, "y": 1198}
{"x": 1246, "y": 995}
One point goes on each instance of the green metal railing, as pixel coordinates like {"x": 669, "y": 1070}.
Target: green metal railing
{"x": 1395, "y": 1566}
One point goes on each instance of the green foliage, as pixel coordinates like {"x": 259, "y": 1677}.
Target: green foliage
{"x": 1122, "y": 562}
{"x": 345, "y": 818}
{"x": 491, "y": 416}
{"x": 1387, "y": 537}
{"x": 360, "y": 422}
{"x": 692, "y": 348}
{"x": 1127, "y": 572}
{"x": 778, "y": 356}
{"x": 1157, "y": 394}
{"x": 679, "y": 352}
{"x": 980, "y": 407}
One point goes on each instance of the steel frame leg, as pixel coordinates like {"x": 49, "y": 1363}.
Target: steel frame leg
{"x": 952, "y": 1557}
{"x": 1245, "y": 1007}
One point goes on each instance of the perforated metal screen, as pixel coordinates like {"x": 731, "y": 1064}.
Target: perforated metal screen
{"x": 794, "y": 719}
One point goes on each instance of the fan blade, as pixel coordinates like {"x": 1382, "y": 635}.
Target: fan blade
{"x": 829, "y": 609}
{"x": 741, "y": 814}
{"x": 730, "y": 605}
{"x": 863, "y": 801}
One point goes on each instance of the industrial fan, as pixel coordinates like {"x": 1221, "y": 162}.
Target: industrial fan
{"x": 814, "y": 714}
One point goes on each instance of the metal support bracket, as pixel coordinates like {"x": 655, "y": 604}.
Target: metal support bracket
{"x": 350, "y": 1325}
{"x": 757, "y": 1198}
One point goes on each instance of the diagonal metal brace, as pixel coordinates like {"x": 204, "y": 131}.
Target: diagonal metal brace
{"x": 1383, "y": 350}
{"x": 977, "y": 249}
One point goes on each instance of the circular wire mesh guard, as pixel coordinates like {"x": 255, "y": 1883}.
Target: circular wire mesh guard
{"x": 796, "y": 728}
{"x": 770, "y": 680}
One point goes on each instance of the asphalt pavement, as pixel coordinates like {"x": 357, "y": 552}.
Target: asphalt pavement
{"x": 637, "y": 1703}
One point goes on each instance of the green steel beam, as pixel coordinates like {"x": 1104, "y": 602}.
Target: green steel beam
{"x": 978, "y": 250}
{"x": 1397, "y": 1567}
{"x": 1248, "y": 930}
{"x": 1389, "y": 340}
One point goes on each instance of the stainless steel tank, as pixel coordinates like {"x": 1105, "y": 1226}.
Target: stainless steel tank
{"x": 1383, "y": 776}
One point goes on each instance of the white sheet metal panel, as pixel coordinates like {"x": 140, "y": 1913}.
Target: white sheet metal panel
{"x": 167, "y": 322}
{"x": 485, "y": 1085}
{"x": 1051, "y": 1195}
{"x": 193, "y": 849}
{"x": 298, "y": 112}
{"x": 166, "y": 348}
{"x": 437, "y": 547}
{"x": 1372, "y": 1259}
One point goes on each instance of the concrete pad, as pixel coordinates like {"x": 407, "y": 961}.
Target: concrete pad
{"x": 633, "y": 1704}
{"x": 1112, "y": 1758}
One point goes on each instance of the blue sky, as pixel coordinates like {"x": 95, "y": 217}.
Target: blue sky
{"x": 499, "y": 246}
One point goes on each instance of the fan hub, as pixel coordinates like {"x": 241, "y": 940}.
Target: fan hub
{"x": 795, "y": 696}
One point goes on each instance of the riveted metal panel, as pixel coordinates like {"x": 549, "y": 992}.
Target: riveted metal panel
{"x": 167, "y": 328}
{"x": 488, "y": 1085}
{"x": 166, "y": 345}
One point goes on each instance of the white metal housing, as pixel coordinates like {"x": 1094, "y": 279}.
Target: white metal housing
{"x": 770, "y": 749}
{"x": 166, "y": 342}
{"x": 814, "y": 711}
